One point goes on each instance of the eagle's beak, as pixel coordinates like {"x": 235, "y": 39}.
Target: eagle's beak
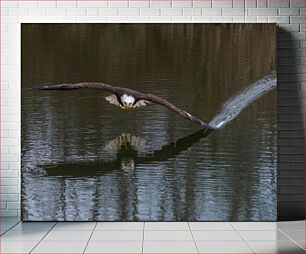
{"x": 127, "y": 105}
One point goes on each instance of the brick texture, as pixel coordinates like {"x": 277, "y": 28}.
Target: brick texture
{"x": 289, "y": 14}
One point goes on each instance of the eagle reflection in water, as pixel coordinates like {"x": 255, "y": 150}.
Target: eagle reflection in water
{"x": 128, "y": 150}
{"x": 125, "y": 146}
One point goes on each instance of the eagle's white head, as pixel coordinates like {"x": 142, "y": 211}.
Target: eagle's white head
{"x": 127, "y": 101}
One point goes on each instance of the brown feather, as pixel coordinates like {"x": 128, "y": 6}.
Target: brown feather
{"x": 137, "y": 95}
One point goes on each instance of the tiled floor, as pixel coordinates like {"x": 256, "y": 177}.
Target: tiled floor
{"x": 152, "y": 237}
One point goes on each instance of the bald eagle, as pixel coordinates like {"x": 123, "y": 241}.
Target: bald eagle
{"x": 126, "y": 101}
{"x": 126, "y": 98}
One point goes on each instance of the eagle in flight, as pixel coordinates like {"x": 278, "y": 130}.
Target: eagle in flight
{"x": 126, "y": 98}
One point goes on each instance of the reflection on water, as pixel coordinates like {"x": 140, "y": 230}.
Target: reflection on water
{"x": 125, "y": 140}
{"x": 126, "y": 156}
{"x": 84, "y": 159}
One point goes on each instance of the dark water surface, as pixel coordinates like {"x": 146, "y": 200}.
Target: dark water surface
{"x": 85, "y": 159}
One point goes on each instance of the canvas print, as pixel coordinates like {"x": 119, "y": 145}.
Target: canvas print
{"x": 148, "y": 122}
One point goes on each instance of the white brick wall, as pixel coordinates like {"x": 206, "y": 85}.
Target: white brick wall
{"x": 288, "y": 13}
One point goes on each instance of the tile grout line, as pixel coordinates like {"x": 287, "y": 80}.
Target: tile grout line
{"x": 43, "y": 238}
{"x": 143, "y": 232}
{"x": 247, "y": 243}
{"x": 290, "y": 238}
{"x": 193, "y": 237}
{"x": 90, "y": 237}
{"x": 272, "y": 224}
{"x": 10, "y": 228}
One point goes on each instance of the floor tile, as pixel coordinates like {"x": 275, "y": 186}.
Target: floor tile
{"x": 253, "y": 226}
{"x": 216, "y": 236}
{"x": 276, "y": 247}
{"x": 273, "y": 224}
{"x": 291, "y": 225}
{"x": 114, "y": 247}
{"x": 9, "y": 224}
{"x": 169, "y": 247}
{"x": 224, "y": 247}
{"x": 60, "y": 247}
{"x": 297, "y": 235}
{"x": 106, "y": 236}
{"x": 273, "y": 235}
{"x": 167, "y": 236}
{"x": 301, "y": 243}
{"x": 63, "y": 226}
{"x": 23, "y": 236}
{"x": 33, "y": 226}
{"x": 3, "y": 230}
{"x": 211, "y": 226}
{"x": 69, "y": 236}
{"x": 119, "y": 226}
{"x": 166, "y": 226}
{"x": 17, "y": 247}
{"x": 5, "y": 226}
{"x": 9, "y": 220}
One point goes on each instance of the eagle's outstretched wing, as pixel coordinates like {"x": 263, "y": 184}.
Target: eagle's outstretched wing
{"x": 167, "y": 104}
{"x": 92, "y": 85}
{"x": 119, "y": 91}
